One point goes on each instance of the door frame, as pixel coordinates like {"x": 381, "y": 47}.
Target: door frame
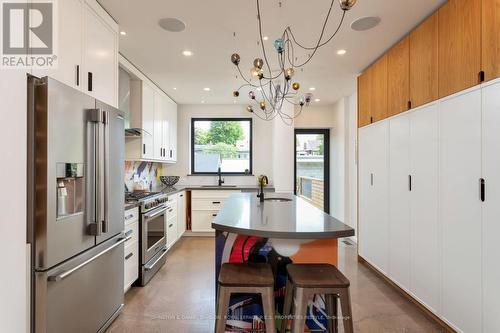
{"x": 326, "y": 170}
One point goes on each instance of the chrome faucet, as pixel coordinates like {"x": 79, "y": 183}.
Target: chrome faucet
{"x": 221, "y": 181}
{"x": 261, "y": 193}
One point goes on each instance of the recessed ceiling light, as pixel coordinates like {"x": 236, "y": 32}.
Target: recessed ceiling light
{"x": 365, "y": 23}
{"x": 172, "y": 24}
{"x": 123, "y": 33}
{"x": 187, "y": 53}
{"x": 317, "y": 100}
{"x": 312, "y": 89}
{"x": 265, "y": 38}
{"x": 206, "y": 89}
{"x": 341, "y": 52}
{"x": 175, "y": 88}
{"x": 202, "y": 102}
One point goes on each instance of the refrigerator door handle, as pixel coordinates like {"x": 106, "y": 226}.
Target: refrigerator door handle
{"x": 96, "y": 117}
{"x": 105, "y": 175}
{"x": 65, "y": 274}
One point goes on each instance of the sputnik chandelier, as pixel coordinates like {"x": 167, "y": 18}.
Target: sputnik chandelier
{"x": 277, "y": 87}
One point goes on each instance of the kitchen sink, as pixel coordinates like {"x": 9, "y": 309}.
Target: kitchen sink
{"x": 216, "y": 186}
{"x": 278, "y": 199}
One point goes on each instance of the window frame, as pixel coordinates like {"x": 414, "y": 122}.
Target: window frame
{"x": 243, "y": 173}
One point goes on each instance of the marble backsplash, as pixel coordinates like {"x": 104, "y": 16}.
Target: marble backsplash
{"x": 142, "y": 176}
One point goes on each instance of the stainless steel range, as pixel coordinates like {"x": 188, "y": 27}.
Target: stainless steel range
{"x": 153, "y": 208}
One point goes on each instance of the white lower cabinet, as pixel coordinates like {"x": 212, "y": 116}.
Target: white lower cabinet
{"x": 181, "y": 214}
{"x": 205, "y": 205}
{"x": 131, "y": 252}
{"x": 373, "y": 194}
{"x": 460, "y": 210}
{"x": 491, "y": 208}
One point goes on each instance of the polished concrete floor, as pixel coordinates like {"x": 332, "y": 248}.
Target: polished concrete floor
{"x": 180, "y": 298}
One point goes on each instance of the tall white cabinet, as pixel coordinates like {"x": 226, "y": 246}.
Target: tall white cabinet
{"x": 424, "y": 196}
{"x": 399, "y": 197}
{"x": 460, "y": 209}
{"x": 491, "y": 208}
{"x": 373, "y": 193}
{"x": 442, "y": 165}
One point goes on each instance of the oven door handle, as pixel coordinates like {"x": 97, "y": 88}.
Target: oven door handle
{"x": 155, "y": 213}
{"x": 149, "y": 267}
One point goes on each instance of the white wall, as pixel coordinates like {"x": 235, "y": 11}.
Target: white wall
{"x": 283, "y": 152}
{"x": 13, "y": 279}
{"x": 332, "y": 117}
{"x": 352, "y": 165}
{"x": 262, "y": 144}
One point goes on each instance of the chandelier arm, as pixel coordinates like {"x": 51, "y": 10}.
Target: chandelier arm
{"x": 262, "y": 38}
{"x": 244, "y": 78}
{"x": 325, "y": 23}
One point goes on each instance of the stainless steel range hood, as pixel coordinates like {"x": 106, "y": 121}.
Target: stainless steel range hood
{"x": 135, "y": 132}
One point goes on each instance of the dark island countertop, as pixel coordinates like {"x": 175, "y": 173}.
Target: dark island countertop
{"x": 244, "y": 214}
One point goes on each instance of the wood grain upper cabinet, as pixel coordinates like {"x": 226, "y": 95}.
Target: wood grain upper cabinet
{"x": 378, "y": 95}
{"x": 491, "y": 39}
{"x": 398, "y": 75}
{"x": 364, "y": 113}
{"x": 459, "y": 46}
{"x": 424, "y": 62}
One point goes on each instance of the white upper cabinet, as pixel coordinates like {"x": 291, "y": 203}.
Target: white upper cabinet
{"x": 172, "y": 131}
{"x": 160, "y": 118}
{"x": 87, "y": 46}
{"x": 399, "y": 197}
{"x": 101, "y": 56}
{"x": 491, "y": 208}
{"x": 70, "y": 45}
{"x": 460, "y": 209}
{"x": 425, "y": 236}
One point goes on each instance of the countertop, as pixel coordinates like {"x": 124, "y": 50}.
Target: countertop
{"x": 180, "y": 188}
{"x": 243, "y": 213}
{"x": 243, "y": 188}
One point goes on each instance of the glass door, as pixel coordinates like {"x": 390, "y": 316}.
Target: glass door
{"x": 312, "y": 166}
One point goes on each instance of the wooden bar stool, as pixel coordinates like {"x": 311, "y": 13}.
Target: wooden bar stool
{"x": 305, "y": 281}
{"x": 247, "y": 278}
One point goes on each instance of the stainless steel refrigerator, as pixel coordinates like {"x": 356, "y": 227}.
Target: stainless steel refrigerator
{"x": 75, "y": 209}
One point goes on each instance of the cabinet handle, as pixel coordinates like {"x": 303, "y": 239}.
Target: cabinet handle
{"x": 78, "y": 75}
{"x": 128, "y": 217}
{"x": 409, "y": 183}
{"x": 482, "y": 189}
{"x": 130, "y": 255}
{"x": 481, "y": 76}
{"x": 129, "y": 233}
{"x": 170, "y": 226}
{"x": 371, "y": 120}
{"x": 89, "y": 81}
{"x": 170, "y": 210}
{"x": 214, "y": 215}
{"x": 409, "y": 105}
{"x": 216, "y": 202}
{"x": 371, "y": 179}
{"x": 144, "y": 148}
{"x": 181, "y": 195}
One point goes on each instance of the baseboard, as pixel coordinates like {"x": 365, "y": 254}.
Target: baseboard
{"x": 422, "y": 307}
{"x": 189, "y": 233}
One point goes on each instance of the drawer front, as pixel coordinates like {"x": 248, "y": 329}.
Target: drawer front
{"x": 172, "y": 210}
{"x": 131, "y": 268}
{"x": 207, "y": 204}
{"x": 131, "y": 215}
{"x": 171, "y": 231}
{"x": 202, "y": 220}
{"x": 216, "y": 194}
{"x": 132, "y": 230}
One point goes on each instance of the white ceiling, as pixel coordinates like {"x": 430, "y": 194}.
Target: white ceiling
{"x": 209, "y": 35}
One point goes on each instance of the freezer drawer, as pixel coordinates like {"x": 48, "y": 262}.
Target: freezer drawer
{"x": 84, "y": 294}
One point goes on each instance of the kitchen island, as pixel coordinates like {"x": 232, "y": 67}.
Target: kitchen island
{"x": 281, "y": 230}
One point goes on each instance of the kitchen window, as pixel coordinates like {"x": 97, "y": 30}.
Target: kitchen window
{"x": 221, "y": 142}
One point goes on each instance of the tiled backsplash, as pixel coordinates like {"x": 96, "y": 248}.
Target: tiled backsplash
{"x": 142, "y": 175}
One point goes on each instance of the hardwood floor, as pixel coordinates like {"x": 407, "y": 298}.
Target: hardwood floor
{"x": 180, "y": 298}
